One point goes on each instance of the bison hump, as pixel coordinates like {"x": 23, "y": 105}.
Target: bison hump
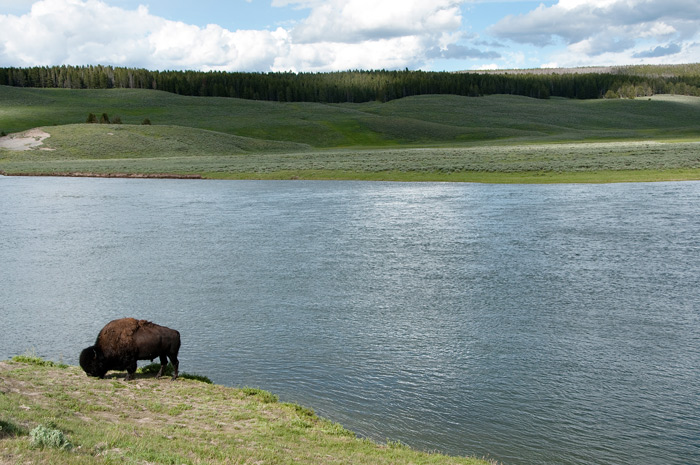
{"x": 117, "y": 336}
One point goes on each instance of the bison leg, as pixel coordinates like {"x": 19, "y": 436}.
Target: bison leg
{"x": 176, "y": 364}
{"x": 130, "y": 372}
{"x": 163, "y": 362}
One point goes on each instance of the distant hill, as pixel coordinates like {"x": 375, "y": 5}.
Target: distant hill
{"x": 261, "y": 126}
{"x": 497, "y": 138}
{"x": 546, "y": 71}
{"x": 664, "y": 71}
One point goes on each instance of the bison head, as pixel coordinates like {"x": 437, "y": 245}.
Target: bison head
{"x": 91, "y": 361}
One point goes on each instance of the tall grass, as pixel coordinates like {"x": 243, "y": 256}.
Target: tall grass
{"x": 537, "y": 162}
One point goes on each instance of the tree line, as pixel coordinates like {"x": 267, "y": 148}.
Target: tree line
{"x": 355, "y": 86}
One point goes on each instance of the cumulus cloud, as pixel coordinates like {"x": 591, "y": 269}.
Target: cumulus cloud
{"x": 324, "y": 56}
{"x": 371, "y": 34}
{"x": 461, "y": 52}
{"x": 352, "y": 21}
{"x": 90, "y": 31}
{"x": 336, "y": 35}
{"x": 598, "y": 27}
{"x": 660, "y": 51}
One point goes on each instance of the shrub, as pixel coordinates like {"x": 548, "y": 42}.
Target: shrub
{"x": 104, "y": 119}
{"x": 3, "y": 133}
{"x": 263, "y": 396}
{"x": 117, "y": 120}
{"x": 302, "y": 411}
{"x": 152, "y": 369}
{"x": 33, "y": 359}
{"x": 10, "y": 429}
{"x": 201, "y": 378}
{"x": 43, "y": 436}
{"x": 91, "y": 119}
{"x": 146, "y": 121}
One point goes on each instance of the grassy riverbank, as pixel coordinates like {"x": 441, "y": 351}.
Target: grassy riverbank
{"x": 158, "y": 421}
{"x": 426, "y": 138}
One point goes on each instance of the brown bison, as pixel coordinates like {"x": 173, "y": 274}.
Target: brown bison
{"x": 122, "y": 342}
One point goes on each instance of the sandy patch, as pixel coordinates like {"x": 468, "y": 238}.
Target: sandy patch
{"x": 26, "y": 140}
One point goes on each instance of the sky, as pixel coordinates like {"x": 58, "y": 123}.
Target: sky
{"x": 337, "y": 35}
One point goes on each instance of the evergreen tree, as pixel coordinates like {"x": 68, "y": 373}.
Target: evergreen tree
{"x": 362, "y": 86}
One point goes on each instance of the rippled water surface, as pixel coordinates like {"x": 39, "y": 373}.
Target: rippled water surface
{"x": 530, "y": 324}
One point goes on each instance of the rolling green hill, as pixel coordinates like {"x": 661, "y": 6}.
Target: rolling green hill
{"x": 441, "y": 137}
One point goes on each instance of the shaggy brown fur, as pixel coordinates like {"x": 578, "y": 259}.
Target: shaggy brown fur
{"x": 121, "y": 343}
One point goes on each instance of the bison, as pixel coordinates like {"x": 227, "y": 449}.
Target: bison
{"x": 122, "y": 342}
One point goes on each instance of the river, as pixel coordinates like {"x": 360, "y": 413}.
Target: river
{"x": 539, "y": 324}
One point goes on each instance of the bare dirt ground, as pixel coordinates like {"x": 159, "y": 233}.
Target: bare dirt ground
{"x": 26, "y": 140}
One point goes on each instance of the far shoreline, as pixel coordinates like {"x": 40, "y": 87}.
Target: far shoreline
{"x": 104, "y": 175}
{"x": 531, "y": 177}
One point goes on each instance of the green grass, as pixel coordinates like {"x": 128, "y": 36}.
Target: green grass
{"x": 582, "y": 162}
{"x": 432, "y": 137}
{"x": 33, "y": 359}
{"x": 81, "y": 420}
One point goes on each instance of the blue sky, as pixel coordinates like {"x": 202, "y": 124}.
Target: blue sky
{"x": 314, "y": 35}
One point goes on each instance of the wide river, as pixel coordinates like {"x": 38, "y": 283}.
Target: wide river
{"x": 545, "y": 324}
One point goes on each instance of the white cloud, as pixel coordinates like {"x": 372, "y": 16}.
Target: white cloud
{"x": 61, "y": 31}
{"x": 370, "y": 34}
{"x": 336, "y": 35}
{"x": 487, "y": 67}
{"x": 322, "y": 56}
{"x": 352, "y": 21}
{"x": 643, "y": 53}
{"x": 90, "y": 31}
{"x": 573, "y": 4}
{"x": 601, "y": 29}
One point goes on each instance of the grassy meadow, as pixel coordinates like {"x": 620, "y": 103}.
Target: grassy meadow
{"x": 53, "y": 413}
{"x": 424, "y": 138}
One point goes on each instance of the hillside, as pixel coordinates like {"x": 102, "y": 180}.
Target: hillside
{"x": 666, "y": 71}
{"x": 148, "y": 420}
{"x": 427, "y": 137}
{"x": 427, "y": 119}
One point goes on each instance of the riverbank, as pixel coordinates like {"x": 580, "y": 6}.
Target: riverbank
{"x": 543, "y": 177}
{"x": 79, "y": 174}
{"x": 158, "y": 421}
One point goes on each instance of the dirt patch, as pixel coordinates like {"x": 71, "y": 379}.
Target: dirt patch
{"x": 26, "y": 140}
